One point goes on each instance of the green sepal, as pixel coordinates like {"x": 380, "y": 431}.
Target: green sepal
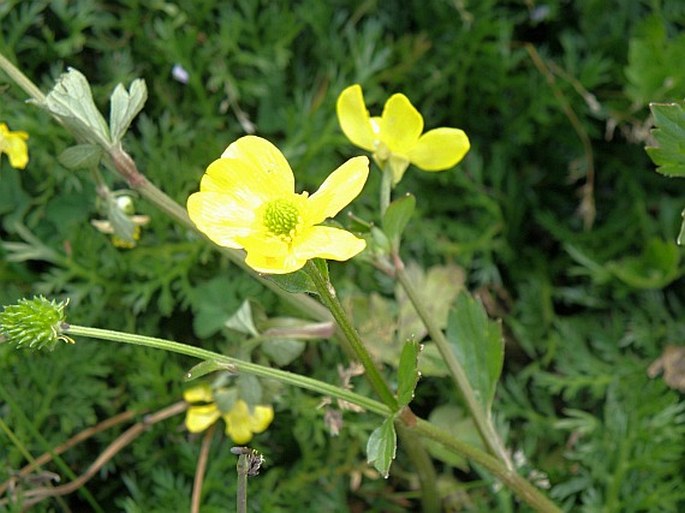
{"x": 295, "y": 283}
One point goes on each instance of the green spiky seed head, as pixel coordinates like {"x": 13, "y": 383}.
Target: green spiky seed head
{"x": 35, "y": 323}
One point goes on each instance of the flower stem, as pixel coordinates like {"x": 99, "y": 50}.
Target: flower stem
{"x": 425, "y": 470}
{"x": 520, "y": 486}
{"x": 386, "y": 188}
{"x": 21, "y": 80}
{"x": 481, "y": 418}
{"x": 236, "y": 364}
{"x": 241, "y": 490}
{"x": 330, "y": 300}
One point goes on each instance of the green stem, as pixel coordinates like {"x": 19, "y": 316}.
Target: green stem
{"x": 126, "y": 167}
{"x": 21, "y": 80}
{"x": 329, "y": 298}
{"x": 241, "y": 491}
{"x": 413, "y": 446}
{"x": 235, "y": 364}
{"x": 386, "y": 188}
{"x": 481, "y": 418}
{"x": 521, "y": 487}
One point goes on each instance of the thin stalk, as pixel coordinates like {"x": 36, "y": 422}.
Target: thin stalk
{"x": 520, "y": 486}
{"x": 481, "y": 418}
{"x": 234, "y": 363}
{"x": 330, "y": 300}
{"x": 386, "y": 188}
{"x": 242, "y": 468}
{"x": 125, "y": 166}
{"x": 413, "y": 446}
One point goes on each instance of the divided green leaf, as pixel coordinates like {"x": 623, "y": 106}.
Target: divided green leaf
{"x": 125, "y": 106}
{"x": 478, "y": 344}
{"x": 669, "y": 156}
{"x": 407, "y": 372}
{"x": 382, "y": 447}
{"x": 71, "y": 101}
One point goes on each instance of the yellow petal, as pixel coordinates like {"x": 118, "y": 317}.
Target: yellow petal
{"x": 401, "y": 124}
{"x": 354, "y": 118}
{"x": 338, "y": 190}
{"x": 261, "y": 418}
{"x": 13, "y": 143}
{"x": 198, "y": 394}
{"x": 199, "y": 418}
{"x": 264, "y": 166}
{"x": 440, "y": 149}
{"x": 219, "y": 217}
{"x": 329, "y": 243}
{"x": 272, "y": 262}
{"x": 238, "y": 423}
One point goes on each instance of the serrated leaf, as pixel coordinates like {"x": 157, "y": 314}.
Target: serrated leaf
{"x": 242, "y": 320}
{"x": 478, "y": 344}
{"x": 295, "y": 283}
{"x": 397, "y": 216}
{"x": 71, "y": 100}
{"x": 125, "y": 106}
{"x": 407, "y": 372}
{"x": 81, "y": 156}
{"x": 207, "y": 367}
{"x": 669, "y": 156}
{"x": 382, "y": 447}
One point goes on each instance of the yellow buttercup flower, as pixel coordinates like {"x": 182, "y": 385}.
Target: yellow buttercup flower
{"x": 241, "y": 423}
{"x": 396, "y": 138}
{"x": 14, "y": 145}
{"x": 247, "y": 201}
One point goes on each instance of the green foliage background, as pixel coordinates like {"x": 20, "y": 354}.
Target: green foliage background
{"x": 585, "y": 310}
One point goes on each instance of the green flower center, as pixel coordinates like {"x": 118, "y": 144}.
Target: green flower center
{"x": 281, "y": 217}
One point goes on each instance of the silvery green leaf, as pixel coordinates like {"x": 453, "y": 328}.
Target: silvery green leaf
{"x": 125, "y": 106}
{"x": 71, "y": 101}
{"x": 81, "y": 156}
{"x": 382, "y": 447}
{"x": 242, "y": 321}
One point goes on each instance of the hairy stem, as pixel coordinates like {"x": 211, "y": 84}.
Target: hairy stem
{"x": 330, "y": 300}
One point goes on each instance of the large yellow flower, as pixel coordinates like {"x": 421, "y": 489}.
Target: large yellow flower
{"x": 247, "y": 201}
{"x": 241, "y": 424}
{"x": 396, "y": 138}
{"x": 14, "y": 145}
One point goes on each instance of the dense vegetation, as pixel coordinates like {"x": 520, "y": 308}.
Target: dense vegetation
{"x": 555, "y": 218}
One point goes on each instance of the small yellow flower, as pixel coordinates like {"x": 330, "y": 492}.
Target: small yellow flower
{"x": 396, "y": 136}
{"x": 241, "y": 424}
{"x": 247, "y": 201}
{"x": 14, "y": 145}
